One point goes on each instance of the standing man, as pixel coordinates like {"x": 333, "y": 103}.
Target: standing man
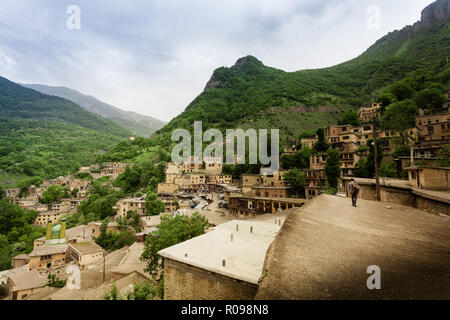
{"x": 354, "y": 190}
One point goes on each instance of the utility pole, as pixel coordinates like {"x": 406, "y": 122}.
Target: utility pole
{"x": 375, "y": 154}
{"x": 104, "y": 268}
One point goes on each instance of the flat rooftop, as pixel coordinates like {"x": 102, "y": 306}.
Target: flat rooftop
{"x": 86, "y": 247}
{"x": 244, "y": 252}
{"x": 324, "y": 249}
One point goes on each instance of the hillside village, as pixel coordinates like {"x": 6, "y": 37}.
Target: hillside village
{"x": 253, "y": 202}
{"x": 125, "y": 222}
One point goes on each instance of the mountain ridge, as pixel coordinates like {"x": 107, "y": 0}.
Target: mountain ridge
{"x": 139, "y": 124}
{"x": 43, "y": 136}
{"x": 237, "y": 96}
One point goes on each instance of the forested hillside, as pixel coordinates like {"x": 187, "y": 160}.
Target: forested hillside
{"x": 252, "y": 94}
{"x": 44, "y": 136}
{"x": 138, "y": 124}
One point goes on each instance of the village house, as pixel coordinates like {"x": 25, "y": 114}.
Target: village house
{"x": 316, "y": 182}
{"x": 308, "y": 142}
{"x": 48, "y": 257}
{"x": 369, "y": 113}
{"x": 335, "y": 131}
{"x": 219, "y": 178}
{"x": 345, "y": 143}
{"x": 434, "y": 127}
{"x": 173, "y": 171}
{"x": 150, "y": 222}
{"x": 95, "y": 228}
{"x": 130, "y": 204}
{"x": 348, "y": 162}
{"x": 27, "y": 203}
{"x": 60, "y": 207}
{"x": 22, "y": 284}
{"x": 240, "y": 205}
{"x": 59, "y": 181}
{"x": 72, "y": 204}
{"x": 431, "y": 178}
{"x": 170, "y": 205}
{"x": 213, "y": 168}
{"x": 112, "y": 168}
{"x": 231, "y": 269}
{"x": 270, "y": 192}
{"x": 54, "y": 252}
{"x": 76, "y": 234}
{"x": 248, "y": 181}
{"x": 20, "y": 261}
{"x": 12, "y": 193}
{"x": 169, "y": 188}
{"x": 80, "y": 184}
{"x": 189, "y": 180}
{"x": 317, "y": 161}
{"x": 45, "y": 217}
{"x": 429, "y": 149}
{"x": 86, "y": 253}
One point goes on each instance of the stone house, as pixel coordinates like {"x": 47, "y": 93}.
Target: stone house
{"x": 231, "y": 269}
{"x": 24, "y": 283}
{"x": 95, "y": 228}
{"x": 86, "y": 253}
{"x": 130, "y": 204}
{"x": 369, "y": 113}
{"x": 48, "y": 257}
{"x": 432, "y": 178}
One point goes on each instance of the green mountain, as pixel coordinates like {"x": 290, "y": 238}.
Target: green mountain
{"x": 139, "y": 124}
{"x": 47, "y": 136}
{"x": 250, "y": 94}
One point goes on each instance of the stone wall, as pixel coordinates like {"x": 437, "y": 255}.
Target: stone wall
{"x": 432, "y": 206}
{"x": 184, "y": 282}
{"x": 403, "y": 196}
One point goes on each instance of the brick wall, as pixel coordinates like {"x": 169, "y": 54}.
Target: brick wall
{"x": 184, "y": 282}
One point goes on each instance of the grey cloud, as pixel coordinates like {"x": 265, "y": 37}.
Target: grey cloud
{"x": 155, "y": 56}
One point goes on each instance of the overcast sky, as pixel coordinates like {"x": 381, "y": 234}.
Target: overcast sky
{"x": 155, "y": 56}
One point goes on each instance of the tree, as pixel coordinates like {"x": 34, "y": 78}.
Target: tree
{"x": 366, "y": 167}
{"x": 349, "y": 117}
{"x": 386, "y": 99}
{"x": 299, "y": 160}
{"x": 321, "y": 145}
{"x": 52, "y": 194}
{"x": 153, "y": 205}
{"x": 3, "y": 292}
{"x": 171, "y": 231}
{"x": 402, "y": 90}
{"x": 2, "y": 193}
{"x": 296, "y": 179}
{"x": 74, "y": 192}
{"x": 400, "y": 116}
{"x": 55, "y": 282}
{"x": 430, "y": 98}
{"x": 130, "y": 180}
{"x": 113, "y": 293}
{"x": 444, "y": 156}
{"x": 333, "y": 168}
{"x": 145, "y": 290}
